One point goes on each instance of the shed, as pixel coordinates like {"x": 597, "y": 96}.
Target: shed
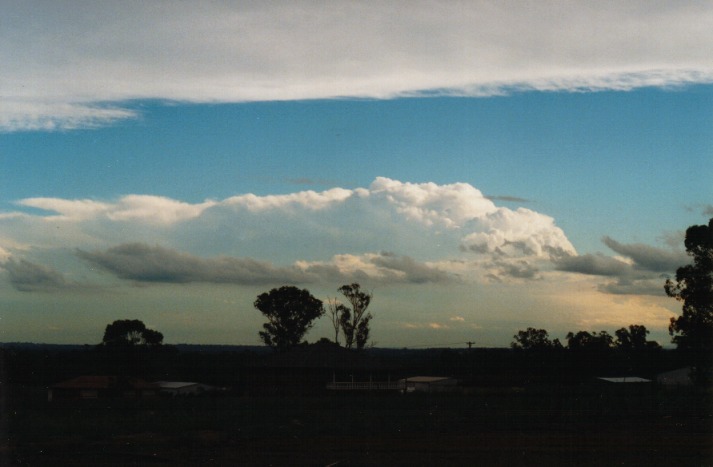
{"x": 428, "y": 384}
{"x": 96, "y": 387}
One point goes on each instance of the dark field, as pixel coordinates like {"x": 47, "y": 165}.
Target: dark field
{"x": 549, "y": 425}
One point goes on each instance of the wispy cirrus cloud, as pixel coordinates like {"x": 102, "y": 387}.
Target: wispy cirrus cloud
{"x": 68, "y": 67}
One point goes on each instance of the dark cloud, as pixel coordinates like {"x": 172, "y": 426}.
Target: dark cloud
{"x": 708, "y": 210}
{"x": 501, "y": 270}
{"x": 26, "y": 276}
{"x": 644, "y": 276}
{"x": 595, "y": 265}
{"x": 647, "y": 257}
{"x": 637, "y": 286}
{"x": 412, "y": 271}
{"x": 506, "y": 198}
{"x": 144, "y": 263}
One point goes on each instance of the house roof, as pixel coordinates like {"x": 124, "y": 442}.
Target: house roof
{"x": 175, "y": 384}
{"x": 427, "y": 379}
{"x": 626, "y": 379}
{"x": 102, "y": 382}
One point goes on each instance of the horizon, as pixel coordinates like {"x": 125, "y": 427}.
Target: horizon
{"x": 480, "y": 168}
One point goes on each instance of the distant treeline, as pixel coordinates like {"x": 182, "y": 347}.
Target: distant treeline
{"x": 246, "y": 368}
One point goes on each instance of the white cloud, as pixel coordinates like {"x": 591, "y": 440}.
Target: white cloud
{"x": 426, "y": 233}
{"x": 69, "y": 67}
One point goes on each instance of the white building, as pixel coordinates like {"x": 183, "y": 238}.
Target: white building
{"x": 428, "y": 384}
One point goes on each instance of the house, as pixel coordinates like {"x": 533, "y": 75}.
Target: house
{"x": 428, "y": 384}
{"x": 100, "y": 387}
{"x": 179, "y": 388}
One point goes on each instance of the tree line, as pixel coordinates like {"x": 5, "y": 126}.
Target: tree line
{"x": 631, "y": 338}
{"x": 291, "y": 313}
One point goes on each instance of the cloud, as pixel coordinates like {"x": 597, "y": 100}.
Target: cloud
{"x": 424, "y": 233}
{"x": 522, "y": 232}
{"x": 67, "y": 67}
{"x": 647, "y": 257}
{"x": 144, "y": 263}
{"x": 641, "y": 270}
{"x": 26, "y": 276}
{"x": 386, "y": 268}
{"x": 152, "y": 209}
{"x": 635, "y": 286}
{"x": 593, "y": 264}
{"x": 509, "y": 199}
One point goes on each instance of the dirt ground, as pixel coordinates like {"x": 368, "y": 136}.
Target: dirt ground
{"x": 487, "y": 448}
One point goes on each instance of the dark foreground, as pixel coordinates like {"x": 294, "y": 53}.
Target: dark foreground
{"x": 536, "y": 426}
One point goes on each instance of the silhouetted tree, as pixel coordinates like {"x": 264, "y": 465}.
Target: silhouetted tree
{"x": 584, "y": 340}
{"x": 534, "y": 339}
{"x": 634, "y": 338}
{"x": 290, "y": 312}
{"x": 693, "y": 331}
{"x": 336, "y": 311}
{"x": 354, "y": 322}
{"x": 129, "y": 332}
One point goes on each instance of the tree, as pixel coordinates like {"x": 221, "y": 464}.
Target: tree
{"x": 584, "y": 340}
{"x": 692, "y": 331}
{"x": 130, "y": 332}
{"x": 354, "y": 322}
{"x": 634, "y": 338}
{"x": 336, "y": 311}
{"x": 534, "y": 339}
{"x": 290, "y": 312}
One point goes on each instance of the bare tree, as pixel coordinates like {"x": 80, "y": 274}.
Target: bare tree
{"x": 336, "y": 311}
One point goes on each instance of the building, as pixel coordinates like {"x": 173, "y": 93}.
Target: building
{"x": 624, "y": 380}
{"x": 428, "y": 384}
{"x": 101, "y": 387}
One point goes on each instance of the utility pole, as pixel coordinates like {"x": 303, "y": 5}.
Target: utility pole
{"x": 470, "y": 344}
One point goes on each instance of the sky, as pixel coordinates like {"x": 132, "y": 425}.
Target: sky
{"x": 480, "y": 167}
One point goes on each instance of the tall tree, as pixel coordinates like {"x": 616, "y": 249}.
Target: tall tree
{"x": 584, "y": 340}
{"x": 290, "y": 312}
{"x": 355, "y": 321}
{"x": 336, "y": 311}
{"x": 534, "y": 339}
{"x": 634, "y": 338}
{"x": 130, "y": 332}
{"x": 692, "y": 331}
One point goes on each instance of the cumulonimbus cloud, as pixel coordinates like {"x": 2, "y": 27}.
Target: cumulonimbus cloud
{"x": 426, "y": 233}
{"x": 67, "y": 67}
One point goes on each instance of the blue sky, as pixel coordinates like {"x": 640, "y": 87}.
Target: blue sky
{"x": 499, "y": 175}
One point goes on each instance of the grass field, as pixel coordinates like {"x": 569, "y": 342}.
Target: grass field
{"x": 538, "y": 426}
